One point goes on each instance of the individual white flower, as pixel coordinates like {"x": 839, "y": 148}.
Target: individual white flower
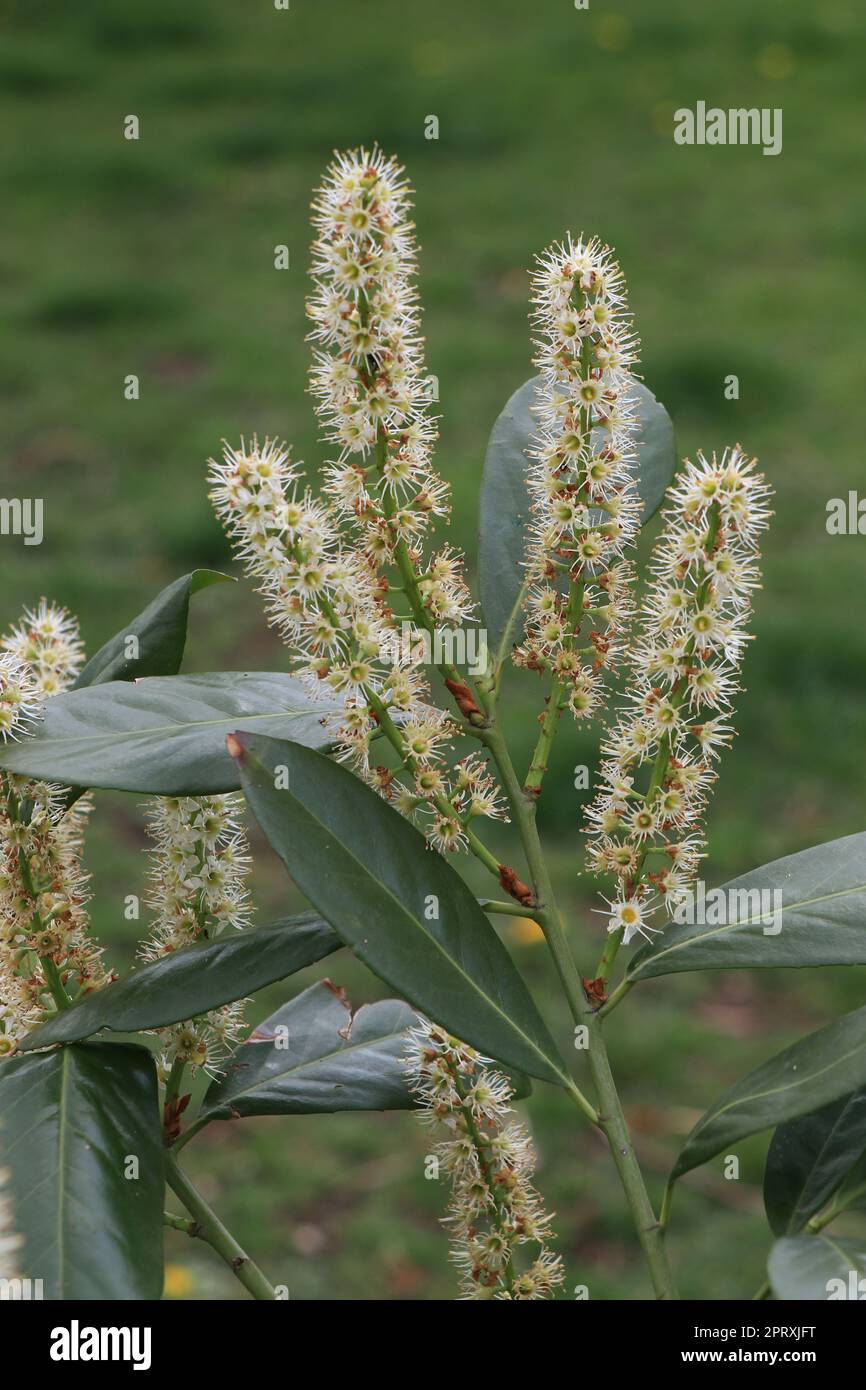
{"x": 476, "y": 791}
{"x": 629, "y": 915}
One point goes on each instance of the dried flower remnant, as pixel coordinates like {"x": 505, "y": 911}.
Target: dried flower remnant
{"x": 584, "y": 500}
{"x": 494, "y": 1210}
{"x": 684, "y": 672}
{"x": 199, "y": 864}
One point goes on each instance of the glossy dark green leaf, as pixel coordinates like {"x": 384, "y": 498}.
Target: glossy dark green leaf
{"x": 819, "y": 1268}
{"x": 821, "y": 895}
{"x": 192, "y": 981}
{"x": 815, "y": 1071}
{"x": 81, "y": 1138}
{"x": 399, "y": 905}
{"x": 314, "y": 1056}
{"x": 504, "y": 509}
{"x": 164, "y": 734}
{"x": 852, "y": 1192}
{"x": 160, "y": 633}
{"x": 809, "y": 1158}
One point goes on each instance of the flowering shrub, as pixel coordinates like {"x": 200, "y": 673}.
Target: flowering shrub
{"x": 372, "y": 764}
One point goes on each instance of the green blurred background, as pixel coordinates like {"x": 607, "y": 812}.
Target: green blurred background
{"x": 156, "y": 258}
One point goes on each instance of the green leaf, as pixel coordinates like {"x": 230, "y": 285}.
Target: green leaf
{"x": 71, "y": 1122}
{"x": 809, "y": 1157}
{"x": 401, "y": 907}
{"x": 164, "y": 734}
{"x": 161, "y": 633}
{"x": 816, "y": 1070}
{"x": 822, "y": 895}
{"x": 504, "y": 512}
{"x": 313, "y": 1056}
{"x": 189, "y": 982}
{"x": 817, "y": 1268}
{"x": 852, "y": 1192}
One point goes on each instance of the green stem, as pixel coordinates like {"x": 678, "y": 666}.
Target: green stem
{"x": 190, "y": 1132}
{"x": 181, "y": 1223}
{"x": 556, "y": 700}
{"x": 549, "y": 724}
{"x": 440, "y": 801}
{"x": 619, "y": 993}
{"x": 610, "y": 1117}
{"x": 507, "y": 909}
{"x": 650, "y": 1231}
{"x": 54, "y": 982}
{"x": 523, "y": 813}
{"x": 216, "y": 1234}
{"x": 411, "y": 584}
{"x": 172, "y": 1085}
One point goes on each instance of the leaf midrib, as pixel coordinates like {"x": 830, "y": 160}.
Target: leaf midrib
{"x": 829, "y": 1137}
{"x": 62, "y": 1192}
{"x": 842, "y": 1252}
{"x": 70, "y": 1030}
{"x": 127, "y": 735}
{"x": 307, "y": 1063}
{"x": 779, "y": 1090}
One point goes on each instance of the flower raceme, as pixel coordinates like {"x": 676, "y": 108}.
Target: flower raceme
{"x": 324, "y": 564}
{"x": 323, "y": 596}
{"x": 368, "y": 378}
{"x": 584, "y": 501}
{"x": 494, "y": 1209}
{"x": 46, "y": 950}
{"x": 684, "y": 666}
{"x": 198, "y": 867}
